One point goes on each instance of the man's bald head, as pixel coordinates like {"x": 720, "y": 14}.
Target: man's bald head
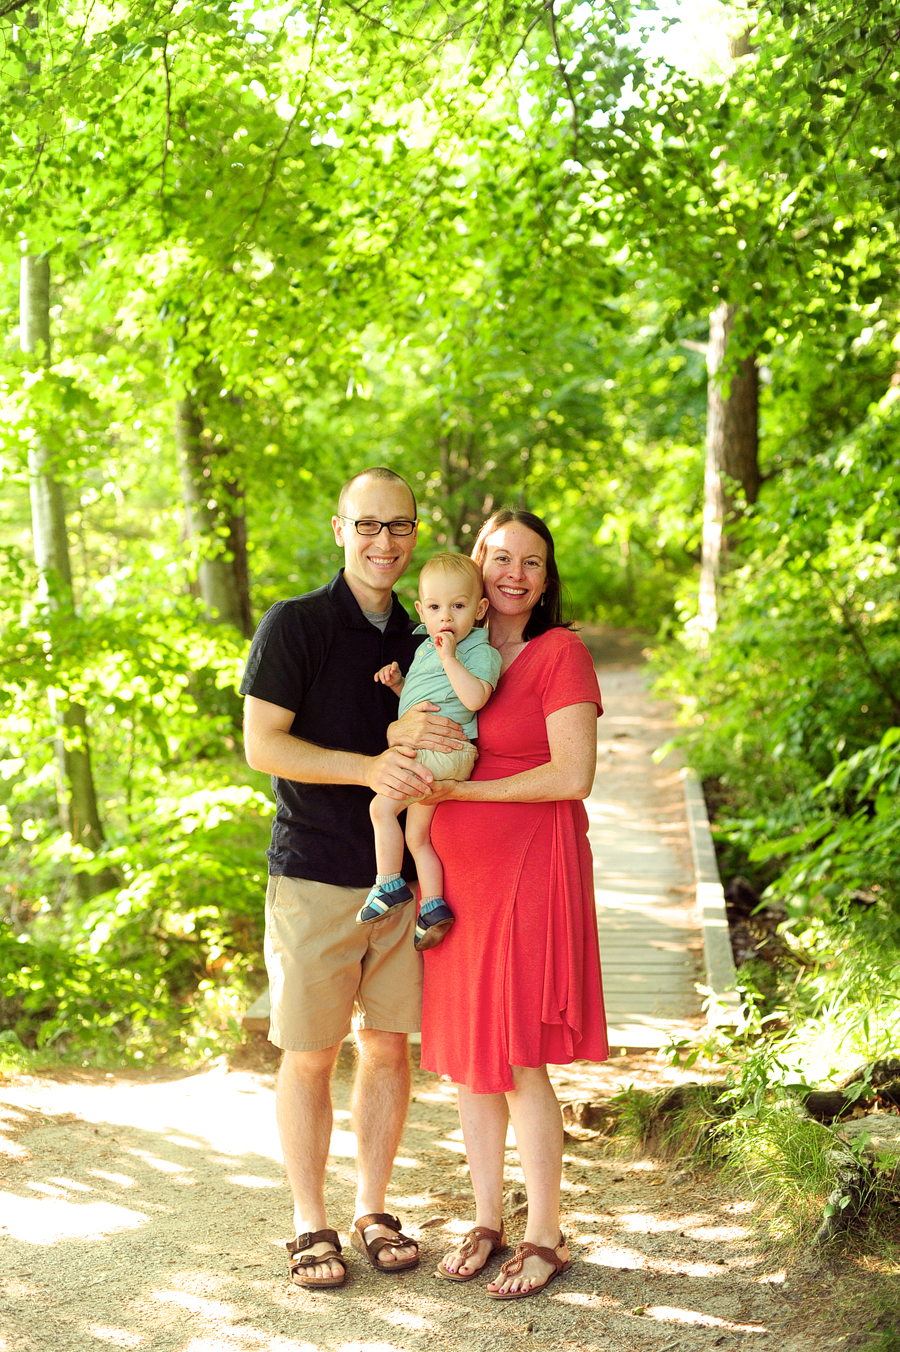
{"x": 376, "y": 472}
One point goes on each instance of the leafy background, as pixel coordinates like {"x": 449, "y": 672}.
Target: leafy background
{"x": 480, "y": 246}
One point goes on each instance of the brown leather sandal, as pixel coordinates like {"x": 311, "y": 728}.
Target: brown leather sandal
{"x": 517, "y": 1262}
{"x": 469, "y": 1247}
{"x": 373, "y": 1247}
{"x": 300, "y": 1258}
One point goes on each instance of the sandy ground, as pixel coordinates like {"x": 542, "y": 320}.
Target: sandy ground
{"x": 152, "y": 1213}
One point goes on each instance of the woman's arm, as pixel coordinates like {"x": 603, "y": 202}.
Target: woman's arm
{"x": 569, "y": 773}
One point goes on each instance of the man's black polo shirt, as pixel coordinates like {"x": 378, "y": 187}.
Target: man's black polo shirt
{"x": 318, "y": 654}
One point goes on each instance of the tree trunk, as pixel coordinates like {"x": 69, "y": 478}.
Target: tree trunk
{"x": 210, "y": 502}
{"x": 76, "y": 796}
{"x": 732, "y": 452}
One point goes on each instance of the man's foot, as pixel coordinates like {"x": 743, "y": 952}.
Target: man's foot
{"x": 383, "y": 898}
{"x": 314, "y": 1260}
{"x": 466, "y": 1260}
{"x": 529, "y": 1271}
{"x": 435, "y": 918}
{"x": 380, "y": 1238}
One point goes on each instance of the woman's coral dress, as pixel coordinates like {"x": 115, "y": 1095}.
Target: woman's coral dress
{"x": 516, "y": 981}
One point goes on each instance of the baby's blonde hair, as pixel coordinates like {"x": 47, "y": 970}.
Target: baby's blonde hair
{"x": 460, "y": 564}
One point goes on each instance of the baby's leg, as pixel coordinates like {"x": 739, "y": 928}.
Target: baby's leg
{"x": 388, "y": 835}
{"x": 435, "y": 916}
{"x": 418, "y": 838}
{"x": 390, "y": 890}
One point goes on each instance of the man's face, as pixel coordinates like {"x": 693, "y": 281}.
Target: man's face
{"x": 374, "y": 563}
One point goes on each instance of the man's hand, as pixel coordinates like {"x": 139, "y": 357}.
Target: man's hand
{"x": 445, "y": 645}
{"x": 391, "y": 676}
{"x": 424, "y": 726}
{"x": 397, "y": 774}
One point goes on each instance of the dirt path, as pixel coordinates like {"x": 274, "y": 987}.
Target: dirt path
{"x": 152, "y": 1213}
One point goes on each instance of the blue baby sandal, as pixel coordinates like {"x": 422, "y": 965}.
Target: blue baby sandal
{"x": 383, "y": 898}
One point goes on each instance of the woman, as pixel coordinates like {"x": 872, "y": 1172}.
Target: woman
{"x": 515, "y": 985}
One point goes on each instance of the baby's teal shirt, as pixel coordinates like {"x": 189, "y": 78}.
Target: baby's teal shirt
{"x": 427, "y": 679}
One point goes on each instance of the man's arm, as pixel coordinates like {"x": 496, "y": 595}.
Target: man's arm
{"x": 270, "y": 747}
{"x": 424, "y": 726}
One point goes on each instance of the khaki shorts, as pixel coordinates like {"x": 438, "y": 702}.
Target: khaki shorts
{"x": 457, "y": 764}
{"x": 327, "y": 974}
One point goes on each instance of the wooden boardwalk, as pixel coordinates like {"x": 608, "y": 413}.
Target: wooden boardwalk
{"x": 650, "y": 940}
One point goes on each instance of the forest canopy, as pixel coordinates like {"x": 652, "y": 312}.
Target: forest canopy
{"x": 521, "y": 253}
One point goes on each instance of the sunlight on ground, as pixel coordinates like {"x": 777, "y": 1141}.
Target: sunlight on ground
{"x": 366, "y": 1347}
{"x": 154, "y": 1161}
{"x": 229, "y": 1112}
{"x": 199, "y": 1305}
{"x": 667, "y": 1313}
{"x": 116, "y": 1337}
{"x": 252, "y": 1181}
{"x": 122, "y": 1180}
{"x": 343, "y": 1144}
{"x": 47, "y": 1220}
{"x": 415, "y": 1322}
{"x": 271, "y": 1344}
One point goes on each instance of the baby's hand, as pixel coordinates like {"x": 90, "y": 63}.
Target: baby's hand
{"x": 391, "y": 676}
{"x": 445, "y": 644}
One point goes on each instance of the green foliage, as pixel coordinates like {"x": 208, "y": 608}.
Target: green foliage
{"x": 480, "y": 248}
{"x": 135, "y": 973}
{"x": 782, "y": 1156}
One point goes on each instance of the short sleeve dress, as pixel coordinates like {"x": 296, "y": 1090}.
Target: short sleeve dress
{"x": 516, "y": 981}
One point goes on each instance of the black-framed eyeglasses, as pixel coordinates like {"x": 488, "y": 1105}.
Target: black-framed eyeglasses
{"x": 367, "y": 527}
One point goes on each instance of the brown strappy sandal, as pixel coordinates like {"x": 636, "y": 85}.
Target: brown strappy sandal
{"x": 373, "y": 1247}
{"x": 517, "y": 1262}
{"x": 297, "y": 1265}
{"x": 469, "y": 1247}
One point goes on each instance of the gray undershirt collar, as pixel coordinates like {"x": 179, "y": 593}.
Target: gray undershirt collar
{"x": 378, "y": 617}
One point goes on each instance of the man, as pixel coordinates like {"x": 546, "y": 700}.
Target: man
{"x": 318, "y": 722}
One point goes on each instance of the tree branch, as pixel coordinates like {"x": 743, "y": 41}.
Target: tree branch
{"x": 273, "y": 168}
{"x": 168, "y": 128}
{"x": 859, "y": 103}
{"x": 567, "y": 81}
{"x": 395, "y": 32}
{"x": 11, "y": 9}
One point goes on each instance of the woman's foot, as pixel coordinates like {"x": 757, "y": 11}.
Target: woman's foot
{"x": 469, "y": 1256}
{"x": 529, "y": 1271}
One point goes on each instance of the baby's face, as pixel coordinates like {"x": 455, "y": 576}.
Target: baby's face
{"x": 449, "y": 604}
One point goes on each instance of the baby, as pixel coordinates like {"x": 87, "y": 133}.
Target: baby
{"x": 457, "y": 668}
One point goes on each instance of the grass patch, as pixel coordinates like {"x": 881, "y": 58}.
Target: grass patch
{"x": 782, "y": 1158}
{"x": 682, "y": 1123}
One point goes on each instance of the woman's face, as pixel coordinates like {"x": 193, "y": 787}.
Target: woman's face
{"x": 515, "y": 569}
